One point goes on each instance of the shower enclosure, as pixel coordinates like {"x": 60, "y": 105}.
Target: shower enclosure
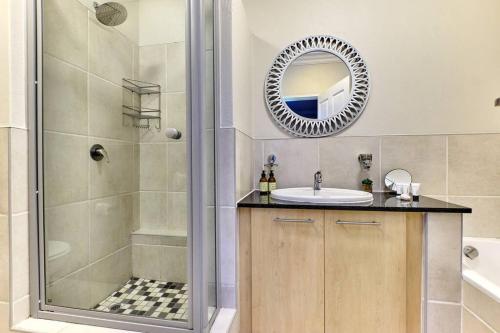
{"x": 123, "y": 170}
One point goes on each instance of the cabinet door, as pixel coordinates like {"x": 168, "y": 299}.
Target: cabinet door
{"x": 287, "y": 271}
{"x": 365, "y": 272}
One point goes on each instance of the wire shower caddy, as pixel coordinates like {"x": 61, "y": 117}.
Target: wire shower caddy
{"x": 142, "y": 116}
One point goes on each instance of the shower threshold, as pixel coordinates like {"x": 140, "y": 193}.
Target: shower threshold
{"x": 148, "y": 298}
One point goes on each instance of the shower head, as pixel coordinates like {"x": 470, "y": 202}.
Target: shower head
{"x": 110, "y": 13}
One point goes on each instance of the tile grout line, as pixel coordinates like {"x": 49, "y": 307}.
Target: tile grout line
{"x": 464, "y": 307}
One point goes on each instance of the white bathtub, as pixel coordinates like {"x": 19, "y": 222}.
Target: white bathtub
{"x": 483, "y": 272}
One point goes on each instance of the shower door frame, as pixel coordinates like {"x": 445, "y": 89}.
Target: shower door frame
{"x": 198, "y": 320}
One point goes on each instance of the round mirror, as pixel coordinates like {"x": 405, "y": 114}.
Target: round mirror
{"x": 316, "y": 85}
{"x": 397, "y": 176}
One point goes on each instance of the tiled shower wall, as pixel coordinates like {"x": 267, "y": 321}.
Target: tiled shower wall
{"x": 159, "y": 245}
{"x": 92, "y": 206}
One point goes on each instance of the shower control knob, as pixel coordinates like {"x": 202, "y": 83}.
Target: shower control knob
{"x": 97, "y": 153}
{"x": 173, "y": 133}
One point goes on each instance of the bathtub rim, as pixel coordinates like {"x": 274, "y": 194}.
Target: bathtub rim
{"x": 478, "y": 281}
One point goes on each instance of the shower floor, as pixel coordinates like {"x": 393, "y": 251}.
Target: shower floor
{"x": 149, "y": 298}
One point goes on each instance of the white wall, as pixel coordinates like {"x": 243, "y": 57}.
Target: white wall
{"x": 242, "y": 69}
{"x": 435, "y": 66}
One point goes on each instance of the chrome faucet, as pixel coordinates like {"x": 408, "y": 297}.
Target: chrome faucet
{"x": 471, "y": 252}
{"x": 318, "y": 179}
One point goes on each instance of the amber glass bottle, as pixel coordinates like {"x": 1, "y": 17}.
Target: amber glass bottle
{"x": 272, "y": 181}
{"x": 263, "y": 184}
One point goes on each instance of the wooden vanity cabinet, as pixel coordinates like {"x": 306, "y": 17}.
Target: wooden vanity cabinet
{"x": 329, "y": 271}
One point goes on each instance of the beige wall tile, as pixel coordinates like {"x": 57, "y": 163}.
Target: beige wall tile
{"x": 136, "y": 167}
{"x": 65, "y": 31}
{"x": 4, "y": 258}
{"x": 176, "y": 67}
{"x": 106, "y": 117}
{"x": 472, "y": 164}
{"x": 64, "y": 97}
{"x": 176, "y": 110}
{"x": 152, "y": 64}
{"x": 136, "y": 202}
{"x": 244, "y": 165}
{"x": 20, "y": 256}
{"x": 4, "y": 171}
{"x": 423, "y": 156}
{"x": 153, "y": 210}
{"x": 111, "y": 54}
{"x": 109, "y": 274}
{"x": 111, "y": 221}
{"x": 153, "y": 164}
{"x": 66, "y": 165}
{"x": 115, "y": 177}
{"x": 471, "y": 324}
{"x": 19, "y": 170}
{"x": 297, "y": 158}
{"x": 338, "y": 161}
{"x": 154, "y": 134}
{"x": 483, "y": 222}
{"x": 162, "y": 21}
{"x": 72, "y": 291}
{"x": 482, "y": 305}
{"x": 177, "y": 212}
{"x": 444, "y": 318}
{"x": 176, "y": 166}
{"x": 445, "y": 257}
{"x": 68, "y": 224}
{"x": 173, "y": 264}
{"x": 146, "y": 261}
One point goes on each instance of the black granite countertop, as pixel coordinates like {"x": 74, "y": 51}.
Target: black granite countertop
{"x": 381, "y": 202}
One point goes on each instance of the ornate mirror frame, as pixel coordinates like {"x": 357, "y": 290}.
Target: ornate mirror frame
{"x": 305, "y": 127}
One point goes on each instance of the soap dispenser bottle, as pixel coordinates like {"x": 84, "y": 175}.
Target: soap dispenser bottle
{"x": 272, "y": 181}
{"x": 263, "y": 183}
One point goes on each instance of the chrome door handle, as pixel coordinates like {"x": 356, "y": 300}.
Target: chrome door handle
{"x": 279, "y": 219}
{"x": 372, "y": 223}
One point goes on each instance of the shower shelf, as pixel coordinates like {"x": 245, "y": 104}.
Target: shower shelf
{"x": 142, "y": 115}
{"x": 141, "y": 87}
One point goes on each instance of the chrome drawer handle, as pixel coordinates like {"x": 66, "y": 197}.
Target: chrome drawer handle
{"x": 372, "y": 223}
{"x": 279, "y": 219}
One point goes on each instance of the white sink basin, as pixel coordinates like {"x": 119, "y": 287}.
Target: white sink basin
{"x": 325, "y": 195}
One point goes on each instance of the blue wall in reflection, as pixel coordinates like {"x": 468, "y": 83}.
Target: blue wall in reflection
{"x": 304, "y": 106}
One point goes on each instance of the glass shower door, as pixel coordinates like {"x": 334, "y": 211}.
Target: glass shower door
{"x": 115, "y": 170}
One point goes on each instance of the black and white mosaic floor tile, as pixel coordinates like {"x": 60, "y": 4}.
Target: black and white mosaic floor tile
{"x": 149, "y": 298}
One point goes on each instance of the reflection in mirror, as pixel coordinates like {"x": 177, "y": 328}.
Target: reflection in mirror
{"x": 397, "y": 176}
{"x": 317, "y": 85}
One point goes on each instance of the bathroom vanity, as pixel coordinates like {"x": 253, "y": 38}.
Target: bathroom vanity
{"x": 335, "y": 268}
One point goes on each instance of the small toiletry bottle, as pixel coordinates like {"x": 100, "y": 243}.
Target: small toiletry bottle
{"x": 263, "y": 183}
{"x": 272, "y": 181}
